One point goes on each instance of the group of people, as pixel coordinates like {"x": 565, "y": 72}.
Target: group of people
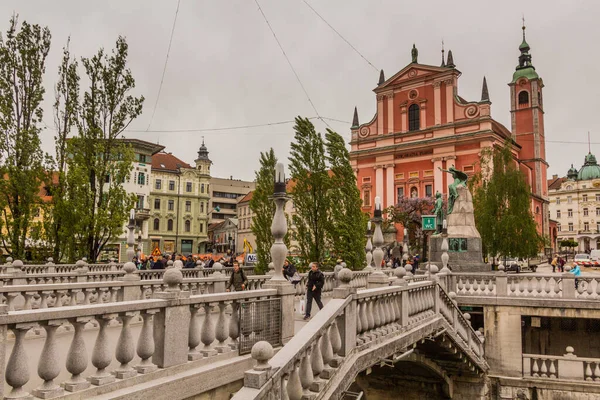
{"x": 558, "y": 262}
{"x": 189, "y": 261}
{"x": 399, "y": 262}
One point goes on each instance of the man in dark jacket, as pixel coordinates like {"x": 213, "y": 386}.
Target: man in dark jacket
{"x": 314, "y": 285}
{"x": 159, "y": 264}
{"x": 237, "y": 279}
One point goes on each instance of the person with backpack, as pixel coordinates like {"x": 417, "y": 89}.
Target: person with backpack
{"x": 290, "y": 273}
{"x": 314, "y": 285}
{"x": 554, "y": 263}
{"x": 237, "y": 279}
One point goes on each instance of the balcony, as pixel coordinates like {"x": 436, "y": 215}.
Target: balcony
{"x": 142, "y": 214}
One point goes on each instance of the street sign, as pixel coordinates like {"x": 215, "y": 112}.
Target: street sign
{"x": 251, "y": 259}
{"x": 428, "y": 222}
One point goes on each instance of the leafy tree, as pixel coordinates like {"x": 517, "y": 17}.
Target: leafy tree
{"x": 347, "y": 221}
{"x": 310, "y": 193}
{"x": 263, "y": 209}
{"x": 100, "y": 161}
{"x": 22, "y": 65}
{"x": 569, "y": 243}
{"x": 502, "y": 206}
{"x": 408, "y": 212}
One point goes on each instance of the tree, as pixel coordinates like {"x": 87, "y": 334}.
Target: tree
{"x": 310, "y": 192}
{"x": 22, "y": 66}
{"x": 408, "y": 212}
{"x": 502, "y": 206}
{"x": 347, "y": 221}
{"x": 263, "y": 209}
{"x": 99, "y": 161}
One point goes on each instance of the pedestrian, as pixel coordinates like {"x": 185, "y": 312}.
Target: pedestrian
{"x": 209, "y": 263}
{"x": 314, "y": 285}
{"x": 237, "y": 279}
{"x": 416, "y": 262}
{"x": 554, "y": 262}
{"x": 190, "y": 263}
{"x": 561, "y": 264}
{"x": 159, "y": 264}
{"x": 290, "y": 272}
{"x": 577, "y": 272}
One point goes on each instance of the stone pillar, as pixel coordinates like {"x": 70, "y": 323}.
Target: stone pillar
{"x": 3, "y": 347}
{"x": 130, "y": 293}
{"x": 377, "y": 278}
{"x": 437, "y": 103}
{"x": 501, "y": 282}
{"x": 390, "y": 108}
{"x": 347, "y": 321}
{"x": 389, "y": 178}
{"x": 219, "y": 278}
{"x": 379, "y": 181}
{"x": 570, "y": 368}
{"x": 15, "y": 269}
{"x": 380, "y": 114}
{"x": 172, "y": 323}
{"x": 449, "y": 101}
{"x": 568, "y": 284}
{"x": 503, "y": 343}
{"x": 403, "y": 116}
{"x": 438, "y": 175}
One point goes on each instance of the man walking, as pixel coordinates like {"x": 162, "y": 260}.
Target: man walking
{"x": 314, "y": 284}
{"x": 237, "y": 280}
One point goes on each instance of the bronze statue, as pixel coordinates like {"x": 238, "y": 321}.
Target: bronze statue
{"x": 414, "y": 53}
{"x": 438, "y": 211}
{"x": 460, "y": 178}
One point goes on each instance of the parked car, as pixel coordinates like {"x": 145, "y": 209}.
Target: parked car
{"x": 595, "y": 255}
{"x": 514, "y": 264}
{"x": 582, "y": 257}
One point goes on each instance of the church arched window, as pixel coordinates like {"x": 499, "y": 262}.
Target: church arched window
{"x": 523, "y": 98}
{"x": 414, "y": 123}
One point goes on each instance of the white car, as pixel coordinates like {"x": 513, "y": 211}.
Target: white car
{"x": 582, "y": 257}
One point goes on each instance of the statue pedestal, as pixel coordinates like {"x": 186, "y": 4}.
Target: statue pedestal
{"x": 464, "y": 241}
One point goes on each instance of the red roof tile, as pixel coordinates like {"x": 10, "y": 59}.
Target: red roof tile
{"x": 167, "y": 162}
{"x": 554, "y": 184}
{"x": 247, "y": 197}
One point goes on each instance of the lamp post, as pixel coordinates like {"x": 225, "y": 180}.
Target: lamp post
{"x": 279, "y": 225}
{"x": 377, "y": 278}
{"x": 368, "y": 248}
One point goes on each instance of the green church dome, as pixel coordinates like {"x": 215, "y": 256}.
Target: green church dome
{"x": 590, "y": 169}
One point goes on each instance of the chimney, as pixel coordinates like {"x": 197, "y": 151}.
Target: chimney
{"x": 554, "y": 176}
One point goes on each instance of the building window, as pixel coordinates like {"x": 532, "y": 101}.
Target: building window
{"x": 569, "y": 199}
{"x": 558, "y": 227}
{"x": 202, "y": 188}
{"x": 141, "y": 179}
{"x": 171, "y": 185}
{"x": 597, "y": 212}
{"x": 188, "y": 225}
{"x": 156, "y": 224}
{"x": 557, "y": 213}
{"x": 597, "y": 197}
{"x": 414, "y": 118}
{"x": 523, "y": 98}
{"x": 188, "y": 187}
{"x": 140, "y": 203}
{"x": 598, "y": 231}
{"x": 399, "y": 194}
{"x": 367, "y": 198}
{"x": 570, "y": 213}
{"x": 142, "y": 158}
{"x": 171, "y": 205}
{"x": 398, "y": 176}
{"x": 366, "y": 179}
{"x": 157, "y": 184}
{"x": 557, "y": 200}
{"x": 201, "y": 207}
{"x": 537, "y": 210}
{"x": 586, "y": 226}
{"x": 188, "y": 206}
{"x": 584, "y": 197}
{"x": 585, "y": 212}
{"x": 570, "y": 227}
{"x": 201, "y": 227}
{"x": 170, "y": 225}
{"x": 428, "y": 191}
{"x": 157, "y": 204}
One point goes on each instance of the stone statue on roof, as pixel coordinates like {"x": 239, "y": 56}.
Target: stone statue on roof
{"x": 414, "y": 53}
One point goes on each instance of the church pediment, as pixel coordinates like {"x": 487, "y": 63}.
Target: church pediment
{"x": 413, "y": 72}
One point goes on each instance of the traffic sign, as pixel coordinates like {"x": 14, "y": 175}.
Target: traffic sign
{"x": 428, "y": 222}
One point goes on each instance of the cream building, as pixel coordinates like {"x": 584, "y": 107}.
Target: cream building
{"x": 225, "y": 195}
{"x": 575, "y": 204}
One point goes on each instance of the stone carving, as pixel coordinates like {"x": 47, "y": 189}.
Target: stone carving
{"x": 460, "y": 179}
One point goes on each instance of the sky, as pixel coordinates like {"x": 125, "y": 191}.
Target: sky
{"x": 225, "y": 68}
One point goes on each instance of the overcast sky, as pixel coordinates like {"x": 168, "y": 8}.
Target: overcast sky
{"x": 225, "y": 68}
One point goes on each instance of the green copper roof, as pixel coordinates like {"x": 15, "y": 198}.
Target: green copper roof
{"x": 590, "y": 170}
{"x": 528, "y": 73}
{"x": 524, "y": 46}
{"x": 572, "y": 173}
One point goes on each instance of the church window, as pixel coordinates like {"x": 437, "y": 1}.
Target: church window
{"x": 399, "y": 194}
{"x": 156, "y": 224}
{"x": 539, "y": 98}
{"x": 188, "y": 206}
{"x": 523, "y": 98}
{"x": 414, "y": 118}
{"x": 537, "y": 210}
{"x": 202, "y": 188}
{"x": 597, "y": 197}
{"x": 367, "y": 198}
{"x": 428, "y": 191}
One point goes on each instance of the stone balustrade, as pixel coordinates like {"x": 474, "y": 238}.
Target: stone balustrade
{"x": 566, "y": 367}
{"x": 176, "y": 329}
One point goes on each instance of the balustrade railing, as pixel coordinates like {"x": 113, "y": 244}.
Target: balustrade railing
{"x": 566, "y": 367}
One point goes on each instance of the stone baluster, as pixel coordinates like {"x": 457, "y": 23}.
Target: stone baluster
{"x": 77, "y": 357}
{"x": 10, "y": 300}
{"x": 194, "y": 333}
{"x": 588, "y": 371}
{"x": 596, "y": 371}
{"x": 28, "y": 300}
{"x": 101, "y": 355}
{"x": 145, "y": 346}
{"x": 208, "y": 332}
{"x": 336, "y": 344}
{"x": 370, "y": 313}
{"x": 125, "y": 348}
{"x": 48, "y": 366}
{"x": 327, "y": 352}
{"x": 294, "y": 385}
{"x": 368, "y": 249}
{"x": 283, "y": 390}
{"x": 234, "y": 325}
{"x": 17, "y": 368}
{"x": 44, "y": 299}
{"x": 306, "y": 374}
{"x": 221, "y": 331}
{"x": 316, "y": 362}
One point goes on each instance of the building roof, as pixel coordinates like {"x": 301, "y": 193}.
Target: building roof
{"x": 590, "y": 169}
{"x": 554, "y": 183}
{"x": 247, "y": 197}
{"x": 152, "y": 148}
{"x": 167, "y": 162}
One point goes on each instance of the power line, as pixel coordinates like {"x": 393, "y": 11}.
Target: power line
{"x": 219, "y": 129}
{"x": 165, "y": 66}
{"x": 340, "y": 35}
{"x": 290, "y": 64}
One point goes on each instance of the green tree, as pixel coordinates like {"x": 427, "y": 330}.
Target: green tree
{"x": 502, "y": 206}
{"x": 263, "y": 209}
{"x": 347, "y": 221}
{"x": 22, "y": 65}
{"x": 100, "y": 162}
{"x": 311, "y": 191}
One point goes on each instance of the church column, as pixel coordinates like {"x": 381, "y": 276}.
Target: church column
{"x": 403, "y": 116}
{"x": 449, "y": 100}
{"x": 438, "y": 176}
{"x": 390, "y": 107}
{"x": 380, "y": 114}
{"x": 423, "y": 108}
{"x": 437, "y": 102}
{"x": 389, "y": 177}
{"x": 379, "y": 181}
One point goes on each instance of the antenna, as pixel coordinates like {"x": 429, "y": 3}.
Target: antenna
{"x": 589, "y": 144}
{"x": 203, "y": 140}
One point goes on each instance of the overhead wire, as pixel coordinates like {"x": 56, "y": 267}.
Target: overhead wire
{"x": 165, "y": 66}
{"x": 290, "y": 64}
{"x": 340, "y": 35}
